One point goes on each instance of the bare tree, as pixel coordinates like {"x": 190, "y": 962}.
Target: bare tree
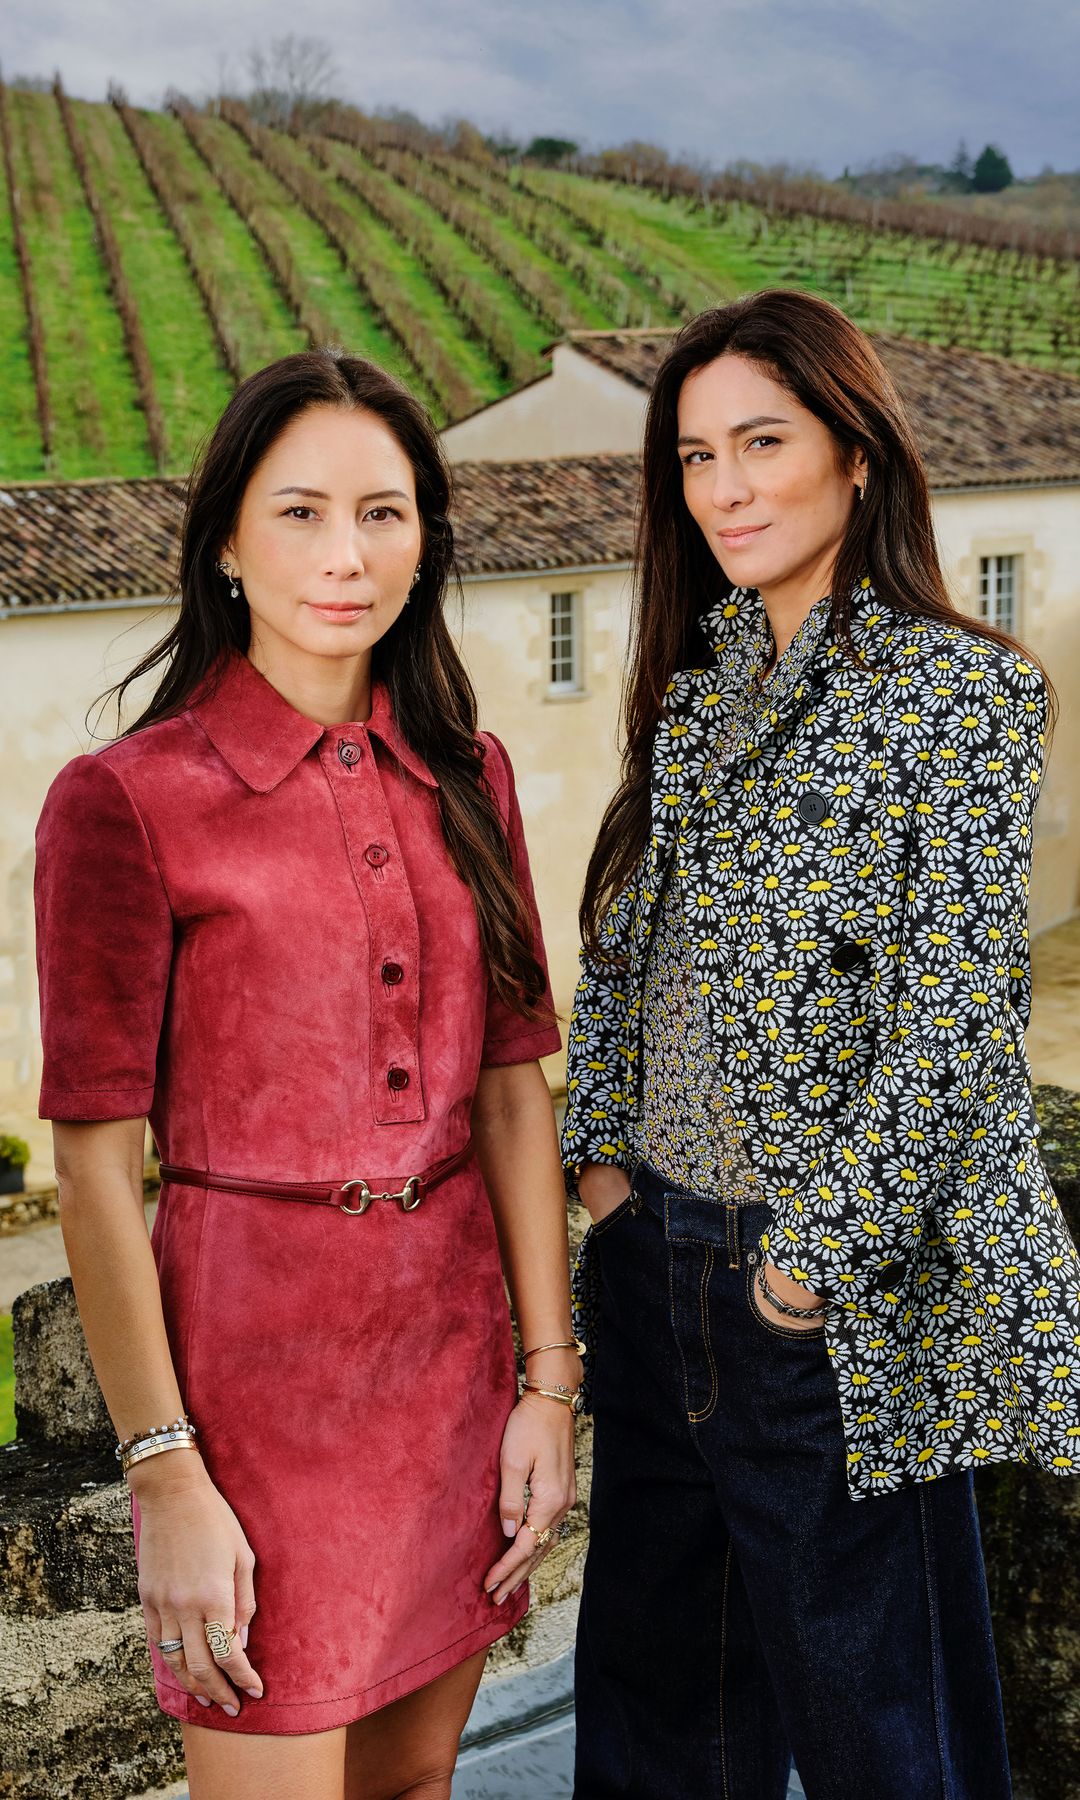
{"x": 292, "y": 80}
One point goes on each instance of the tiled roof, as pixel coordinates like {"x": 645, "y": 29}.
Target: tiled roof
{"x": 632, "y": 354}
{"x": 73, "y": 542}
{"x": 77, "y": 543}
{"x": 564, "y": 512}
{"x": 980, "y": 421}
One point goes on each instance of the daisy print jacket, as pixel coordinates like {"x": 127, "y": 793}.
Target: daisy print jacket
{"x": 854, "y": 879}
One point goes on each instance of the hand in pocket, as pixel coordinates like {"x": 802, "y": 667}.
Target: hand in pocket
{"x": 603, "y": 1187}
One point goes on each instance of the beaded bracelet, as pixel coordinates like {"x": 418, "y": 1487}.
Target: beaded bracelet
{"x": 182, "y": 1424}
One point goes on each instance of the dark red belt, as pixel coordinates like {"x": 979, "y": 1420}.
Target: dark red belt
{"x": 321, "y": 1193}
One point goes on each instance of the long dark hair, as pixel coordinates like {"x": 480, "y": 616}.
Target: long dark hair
{"x": 432, "y": 697}
{"x": 815, "y": 352}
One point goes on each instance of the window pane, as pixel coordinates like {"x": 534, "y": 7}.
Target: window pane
{"x": 564, "y": 641}
{"x": 998, "y": 591}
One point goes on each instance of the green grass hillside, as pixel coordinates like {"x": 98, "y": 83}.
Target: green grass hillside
{"x": 148, "y": 261}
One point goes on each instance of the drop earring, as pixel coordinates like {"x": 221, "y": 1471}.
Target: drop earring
{"x": 231, "y": 576}
{"x": 413, "y": 582}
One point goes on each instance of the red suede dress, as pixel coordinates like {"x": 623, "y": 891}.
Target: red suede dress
{"x": 249, "y": 928}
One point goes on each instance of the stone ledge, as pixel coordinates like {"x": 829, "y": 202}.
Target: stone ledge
{"x": 80, "y": 1716}
{"x": 57, "y": 1398}
{"x": 65, "y": 1534}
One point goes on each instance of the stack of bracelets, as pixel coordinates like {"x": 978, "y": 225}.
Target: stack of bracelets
{"x": 179, "y": 1435}
{"x": 556, "y": 1390}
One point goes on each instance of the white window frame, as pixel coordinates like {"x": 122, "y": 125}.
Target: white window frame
{"x": 565, "y": 649}
{"x": 999, "y": 590}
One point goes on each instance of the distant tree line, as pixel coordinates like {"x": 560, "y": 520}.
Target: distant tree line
{"x": 892, "y": 176}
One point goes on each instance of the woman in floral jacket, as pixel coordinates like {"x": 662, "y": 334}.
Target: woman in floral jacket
{"x": 839, "y": 1272}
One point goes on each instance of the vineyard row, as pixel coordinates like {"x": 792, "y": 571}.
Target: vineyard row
{"x": 120, "y": 288}
{"x": 204, "y": 276}
{"x": 34, "y": 332}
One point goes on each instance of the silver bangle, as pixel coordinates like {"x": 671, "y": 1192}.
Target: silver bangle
{"x": 181, "y": 1425}
{"x": 792, "y": 1312}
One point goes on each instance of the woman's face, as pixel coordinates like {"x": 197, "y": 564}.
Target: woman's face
{"x": 328, "y": 537}
{"x": 761, "y": 478}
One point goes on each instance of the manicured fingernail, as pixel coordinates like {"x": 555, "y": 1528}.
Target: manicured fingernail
{"x": 231, "y": 1710}
{"x": 201, "y": 1698}
{"x": 510, "y": 1528}
{"x": 256, "y": 1693}
{"x": 243, "y": 1637}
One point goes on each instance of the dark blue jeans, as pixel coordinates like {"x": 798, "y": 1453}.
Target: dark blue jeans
{"x": 738, "y": 1607}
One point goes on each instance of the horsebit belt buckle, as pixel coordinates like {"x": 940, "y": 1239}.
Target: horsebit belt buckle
{"x": 408, "y": 1199}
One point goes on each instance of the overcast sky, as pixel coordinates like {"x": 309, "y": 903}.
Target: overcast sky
{"x": 808, "y": 81}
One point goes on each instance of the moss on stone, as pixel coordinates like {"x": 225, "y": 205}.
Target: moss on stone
{"x": 1059, "y": 1146}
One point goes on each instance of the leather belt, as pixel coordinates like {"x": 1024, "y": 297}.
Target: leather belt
{"x": 322, "y": 1193}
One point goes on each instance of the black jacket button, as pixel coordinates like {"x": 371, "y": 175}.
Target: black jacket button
{"x": 397, "y": 1078}
{"x": 812, "y": 808}
{"x": 850, "y": 959}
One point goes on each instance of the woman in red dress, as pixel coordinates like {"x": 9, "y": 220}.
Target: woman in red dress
{"x": 289, "y": 918}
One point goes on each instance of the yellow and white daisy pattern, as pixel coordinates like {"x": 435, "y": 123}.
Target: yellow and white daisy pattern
{"x": 855, "y": 906}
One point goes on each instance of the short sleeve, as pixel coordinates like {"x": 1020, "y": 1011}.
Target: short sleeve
{"x": 509, "y": 1037}
{"x": 104, "y": 948}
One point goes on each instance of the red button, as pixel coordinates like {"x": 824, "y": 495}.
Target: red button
{"x": 376, "y": 855}
{"x": 349, "y": 754}
{"x": 397, "y": 1078}
{"x": 392, "y": 973}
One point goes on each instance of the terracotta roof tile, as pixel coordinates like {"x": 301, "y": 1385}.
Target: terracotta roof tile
{"x": 564, "y": 512}
{"x": 71, "y": 543}
{"x": 634, "y": 355}
{"x": 980, "y": 421}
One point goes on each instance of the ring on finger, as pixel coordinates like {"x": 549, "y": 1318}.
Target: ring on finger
{"x": 219, "y": 1637}
{"x": 542, "y": 1537}
{"x": 168, "y": 1646}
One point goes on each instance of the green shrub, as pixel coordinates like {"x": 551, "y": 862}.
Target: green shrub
{"x": 14, "y": 1151}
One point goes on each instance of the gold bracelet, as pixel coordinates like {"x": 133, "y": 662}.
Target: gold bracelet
{"x": 569, "y": 1344}
{"x": 156, "y": 1449}
{"x": 571, "y": 1397}
{"x": 168, "y": 1434}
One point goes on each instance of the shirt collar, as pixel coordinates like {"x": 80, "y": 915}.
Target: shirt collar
{"x": 737, "y": 627}
{"x": 383, "y": 725}
{"x": 263, "y": 738}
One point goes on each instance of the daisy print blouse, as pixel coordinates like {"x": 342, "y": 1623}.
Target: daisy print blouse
{"x": 853, "y": 881}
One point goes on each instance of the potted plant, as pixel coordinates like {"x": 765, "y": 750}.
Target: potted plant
{"x": 14, "y": 1156}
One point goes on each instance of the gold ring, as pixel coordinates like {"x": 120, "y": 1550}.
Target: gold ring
{"x": 542, "y": 1537}
{"x": 219, "y": 1637}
